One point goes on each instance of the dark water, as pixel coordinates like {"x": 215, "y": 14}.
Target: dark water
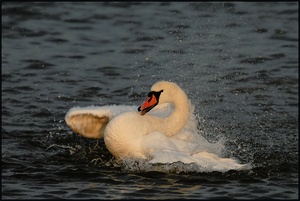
{"x": 238, "y": 63}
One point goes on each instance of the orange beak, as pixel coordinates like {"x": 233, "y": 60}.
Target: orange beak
{"x": 150, "y": 103}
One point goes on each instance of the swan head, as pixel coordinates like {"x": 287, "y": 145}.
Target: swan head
{"x": 161, "y": 92}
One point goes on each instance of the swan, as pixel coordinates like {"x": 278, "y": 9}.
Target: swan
{"x": 162, "y": 130}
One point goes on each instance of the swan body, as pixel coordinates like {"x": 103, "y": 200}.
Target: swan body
{"x": 163, "y": 131}
{"x": 125, "y": 139}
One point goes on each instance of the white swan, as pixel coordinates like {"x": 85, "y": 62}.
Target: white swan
{"x": 166, "y": 134}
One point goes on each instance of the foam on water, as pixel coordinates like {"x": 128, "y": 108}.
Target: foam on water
{"x": 204, "y": 156}
{"x": 187, "y": 146}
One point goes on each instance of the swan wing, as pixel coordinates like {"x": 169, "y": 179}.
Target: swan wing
{"x": 88, "y": 125}
{"x": 91, "y": 121}
{"x": 170, "y": 150}
{"x": 206, "y": 161}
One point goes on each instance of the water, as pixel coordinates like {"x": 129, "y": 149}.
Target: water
{"x": 238, "y": 63}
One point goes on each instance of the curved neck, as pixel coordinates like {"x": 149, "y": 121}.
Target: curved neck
{"x": 172, "y": 124}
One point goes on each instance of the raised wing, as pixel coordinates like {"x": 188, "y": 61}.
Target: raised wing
{"x": 91, "y": 121}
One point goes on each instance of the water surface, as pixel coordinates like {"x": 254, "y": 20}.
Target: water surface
{"x": 238, "y": 63}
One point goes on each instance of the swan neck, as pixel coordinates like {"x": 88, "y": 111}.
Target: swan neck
{"x": 178, "y": 119}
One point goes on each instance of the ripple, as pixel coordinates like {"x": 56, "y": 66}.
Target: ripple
{"x": 57, "y": 40}
{"x": 149, "y": 38}
{"x": 76, "y": 57}
{"x": 282, "y": 35}
{"x": 109, "y": 70}
{"x": 37, "y": 64}
{"x": 134, "y": 51}
{"x": 89, "y": 92}
{"x": 42, "y": 113}
{"x": 74, "y": 20}
{"x": 19, "y": 10}
{"x": 125, "y": 22}
{"x": 247, "y": 90}
{"x": 261, "y": 30}
{"x": 179, "y": 51}
{"x": 257, "y": 60}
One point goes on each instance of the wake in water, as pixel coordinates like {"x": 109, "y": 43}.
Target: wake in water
{"x": 94, "y": 153}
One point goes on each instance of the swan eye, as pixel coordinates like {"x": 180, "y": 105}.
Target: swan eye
{"x": 154, "y": 92}
{"x": 150, "y": 94}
